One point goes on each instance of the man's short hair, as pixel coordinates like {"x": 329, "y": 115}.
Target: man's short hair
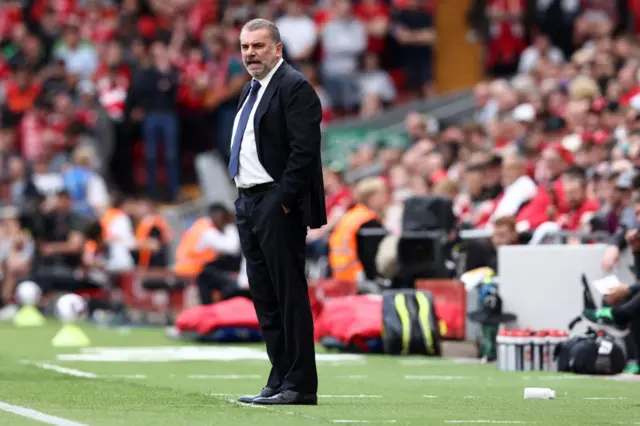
{"x": 217, "y": 208}
{"x": 507, "y": 222}
{"x": 368, "y": 186}
{"x": 117, "y": 198}
{"x": 264, "y": 24}
{"x": 93, "y": 231}
{"x": 576, "y": 173}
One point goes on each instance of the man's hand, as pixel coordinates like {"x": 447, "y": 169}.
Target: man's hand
{"x": 152, "y": 244}
{"x": 402, "y": 34}
{"x": 45, "y": 250}
{"x": 617, "y": 295}
{"x": 610, "y": 258}
{"x": 286, "y": 210}
{"x": 633, "y": 238}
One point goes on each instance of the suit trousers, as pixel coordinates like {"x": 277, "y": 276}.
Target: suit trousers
{"x": 273, "y": 243}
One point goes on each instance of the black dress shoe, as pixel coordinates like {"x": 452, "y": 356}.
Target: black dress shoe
{"x": 289, "y": 398}
{"x": 265, "y": 393}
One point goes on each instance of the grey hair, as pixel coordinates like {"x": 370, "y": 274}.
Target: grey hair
{"x": 264, "y": 24}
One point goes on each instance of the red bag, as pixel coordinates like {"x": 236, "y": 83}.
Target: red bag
{"x": 320, "y": 290}
{"x": 350, "y": 319}
{"x": 236, "y": 312}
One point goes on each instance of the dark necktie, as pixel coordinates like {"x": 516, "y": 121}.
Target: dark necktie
{"x": 234, "y": 161}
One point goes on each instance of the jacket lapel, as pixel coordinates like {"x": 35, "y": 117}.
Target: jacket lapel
{"x": 266, "y": 99}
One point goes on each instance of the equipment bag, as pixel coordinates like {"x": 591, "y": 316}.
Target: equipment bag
{"x": 409, "y": 323}
{"x": 590, "y": 354}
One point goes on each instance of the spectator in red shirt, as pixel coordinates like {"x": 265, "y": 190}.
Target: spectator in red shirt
{"x": 10, "y": 16}
{"x": 581, "y": 208}
{"x": 21, "y": 92}
{"x": 31, "y": 129}
{"x": 375, "y": 15}
{"x": 507, "y": 35}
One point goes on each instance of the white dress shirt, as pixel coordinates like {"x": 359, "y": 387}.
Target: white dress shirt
{"x": 251, "y": 172}
{"x": 225, "y": 242}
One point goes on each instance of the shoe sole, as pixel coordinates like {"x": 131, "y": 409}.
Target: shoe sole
{"x": 615, "y": 332}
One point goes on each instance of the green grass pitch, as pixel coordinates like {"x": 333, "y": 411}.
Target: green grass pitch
{"x": 140, "y": 378}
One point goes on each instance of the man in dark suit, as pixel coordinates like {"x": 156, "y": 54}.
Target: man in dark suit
{"x": 275, "y": 163}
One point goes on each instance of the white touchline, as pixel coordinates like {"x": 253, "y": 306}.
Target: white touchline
{"x": 37, "y": 415}
{"x": 350, "y": 396}
{"x": 438, "y": 377}
{"x": 127, "y": 376}
{"x": 319, "y": 396}
{"x": 362, "y": 421}
{"x": 62, "y": 370}
{"x": 224, "y": 376}
{"x": 597, "y": 398}
{"x": 565, "y": 377}
{"x": 429, "y": 396}
{"x": 80, "y": 373}
{"x": 505, "y": 422}
{"x": 419, "y": 361}
{"x": 233, "y": 401}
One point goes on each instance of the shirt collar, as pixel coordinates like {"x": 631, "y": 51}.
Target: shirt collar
{"x": 265, "y": 81}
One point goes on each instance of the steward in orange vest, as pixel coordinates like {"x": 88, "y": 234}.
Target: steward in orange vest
{"x": 95, "y": 255}
{"x": 153, "y": 236}
{"x": 349, "y": 258}
{"x": 210, "y": 239}
{"x": 210, "y": 252}
{"x": 190, "y": 259}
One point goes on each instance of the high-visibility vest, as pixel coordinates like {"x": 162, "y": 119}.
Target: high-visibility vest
{"x": 107, "y": 220}
{"x": 343, "y": 249}
{"x": 89, "y": 250}
{"x": 190, "y": 260}
{"x": 143, "y": 230}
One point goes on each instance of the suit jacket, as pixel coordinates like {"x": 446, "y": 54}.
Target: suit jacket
{"x": 288, "y": 139}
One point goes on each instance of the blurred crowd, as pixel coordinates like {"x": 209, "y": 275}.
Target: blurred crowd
{"x": 121, "y": 94}
{"x": 141, "y": 86}
{"x": 554, "y": 144}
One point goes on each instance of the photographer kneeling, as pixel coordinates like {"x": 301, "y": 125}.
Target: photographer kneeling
{"x": 622, "y": 309}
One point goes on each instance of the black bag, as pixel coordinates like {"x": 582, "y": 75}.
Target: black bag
{"x": 590, "y": 354}
{"x": 409, "y": 323}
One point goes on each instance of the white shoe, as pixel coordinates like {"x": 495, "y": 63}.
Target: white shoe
{"x": 8, "y": 312}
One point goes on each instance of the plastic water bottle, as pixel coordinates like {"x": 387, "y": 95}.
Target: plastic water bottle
{"x": 539, "y": 393}
{"x": 518, "y": 340}
{"x": 511, "y": 350}
{"x": 527, "y": 350}
{"x": 539, "y": 350}
{"x": 501, "y": 343}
